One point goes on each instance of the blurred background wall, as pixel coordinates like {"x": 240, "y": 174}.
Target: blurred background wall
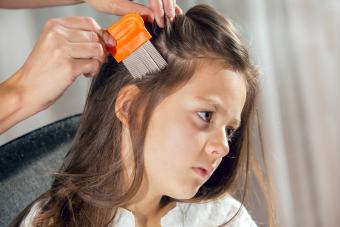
{"x": 295, "y": 43}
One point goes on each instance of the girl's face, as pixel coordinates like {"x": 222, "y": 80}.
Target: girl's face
{"x": 188, "y": 134}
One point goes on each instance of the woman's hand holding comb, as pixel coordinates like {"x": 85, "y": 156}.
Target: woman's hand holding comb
{"x": 67, "y": 48}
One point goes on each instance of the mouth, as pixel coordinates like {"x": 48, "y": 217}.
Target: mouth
{"x": 202, "y": 172}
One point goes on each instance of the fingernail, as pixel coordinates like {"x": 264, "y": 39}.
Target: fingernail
{"x": 111, "y": 41}
{"x": 161, "y": 22}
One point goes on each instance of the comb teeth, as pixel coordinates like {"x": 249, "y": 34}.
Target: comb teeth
{"x": 146, "y": 59}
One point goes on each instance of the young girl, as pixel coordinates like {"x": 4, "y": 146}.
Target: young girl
{"x": 164, "y": 150}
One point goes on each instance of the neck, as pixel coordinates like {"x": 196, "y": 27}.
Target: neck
{"x": 145, "y": 205}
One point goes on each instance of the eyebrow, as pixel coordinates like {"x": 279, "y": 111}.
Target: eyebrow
{"x": 216, "y": 102}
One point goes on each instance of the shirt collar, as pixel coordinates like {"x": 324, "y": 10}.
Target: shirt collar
{"x": 125, "y": 218}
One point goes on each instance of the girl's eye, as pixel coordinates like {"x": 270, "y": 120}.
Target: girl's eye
{"x": 207, "y": 114}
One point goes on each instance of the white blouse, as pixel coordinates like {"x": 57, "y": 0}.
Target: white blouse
{"x": 207, "y": 214}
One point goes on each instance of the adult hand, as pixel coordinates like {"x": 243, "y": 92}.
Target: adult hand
{"x": 156, "y": 9}
{"x": 67, "y": 48}
{"x": 164, "y": 7}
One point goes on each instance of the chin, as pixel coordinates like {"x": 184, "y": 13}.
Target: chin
{"x": 183, "y": 193}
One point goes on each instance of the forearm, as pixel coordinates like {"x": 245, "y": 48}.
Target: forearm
{"x": 24, "y": 4}
{"x": 14, "y": 106}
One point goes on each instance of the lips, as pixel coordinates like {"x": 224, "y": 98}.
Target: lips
{"x": 203, "y": 172}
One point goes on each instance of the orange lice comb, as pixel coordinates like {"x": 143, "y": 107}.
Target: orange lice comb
{"x": 133, "y": 47}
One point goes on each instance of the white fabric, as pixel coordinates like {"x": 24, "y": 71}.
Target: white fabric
{"x": 207, "y": 214}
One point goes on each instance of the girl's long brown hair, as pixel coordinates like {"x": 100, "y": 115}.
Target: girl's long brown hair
{"x": 91, "y": 183}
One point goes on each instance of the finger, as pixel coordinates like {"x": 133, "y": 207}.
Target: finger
{"x": 73, "y": 35}
{"x": 81, "y": 23}
{"x": 169, "y": 7}
{"x": 87, "y": 51}
{"x": 105, "y": 38}
{"x": 87, "y": 24}
{"x": 108, "y": 39}
{"x": 178, "y": 10}
{"x": 87, "y": 67}
{"x": 76, "y": 36}
{"x": 64, "y": 25}
{"x": 157, "y": 8}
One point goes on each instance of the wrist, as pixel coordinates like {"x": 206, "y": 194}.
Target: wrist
{"x": 11, "y": 105}
{"x": 11, "y": 96}
{"x": 27, "y": 93}
{"x": 17, "y": 97}
{"x": 17, "y": 101}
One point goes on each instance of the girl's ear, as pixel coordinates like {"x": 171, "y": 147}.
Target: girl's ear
{"x": 123, "y": 101}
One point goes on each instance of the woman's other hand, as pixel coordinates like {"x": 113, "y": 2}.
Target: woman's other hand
{"x": 155, "y": 10}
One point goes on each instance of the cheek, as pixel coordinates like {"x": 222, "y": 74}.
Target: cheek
{"x": 171, "y": 145}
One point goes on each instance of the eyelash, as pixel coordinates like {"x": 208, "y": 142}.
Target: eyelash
{"x": 230, "y": 135}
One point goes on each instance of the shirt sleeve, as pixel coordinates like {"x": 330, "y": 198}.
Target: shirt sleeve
{"x": 27, "y": 221}
{"x": 242, "y": 219}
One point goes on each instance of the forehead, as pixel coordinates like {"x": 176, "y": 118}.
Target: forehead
{"x": 212, "y": 77}
{"x": 220, "y": 84}
{"x": 217, "y": 86}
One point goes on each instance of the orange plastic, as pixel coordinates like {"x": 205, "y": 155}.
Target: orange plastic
{"x": 130, "y": 33}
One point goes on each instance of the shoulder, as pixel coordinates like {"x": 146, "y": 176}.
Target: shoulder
{"x": 225, "y": 211}
{"x": 235, "y": 208}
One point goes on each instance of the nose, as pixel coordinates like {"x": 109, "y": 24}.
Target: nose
{"x": 218, "y": 145}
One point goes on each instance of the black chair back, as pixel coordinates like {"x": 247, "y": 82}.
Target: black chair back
{"x": 25, "y": 164}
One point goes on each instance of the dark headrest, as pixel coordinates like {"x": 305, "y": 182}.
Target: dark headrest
{"x": 21, "y": 151}
{"x": 26, "y": 164}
